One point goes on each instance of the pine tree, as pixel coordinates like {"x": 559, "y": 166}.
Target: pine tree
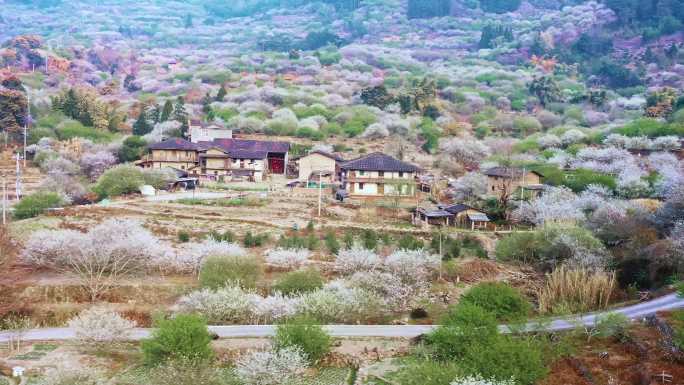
{"x": 155, "y": 114}
{"x": 221, "y": 93}
{"x": 180, "y": 115}
{"x": 206, "y": 103}
{"x": 166, "y": 111}
{"x": 142, "y": 126}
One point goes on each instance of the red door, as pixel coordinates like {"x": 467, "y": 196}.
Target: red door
{"x": 276, "y": 165}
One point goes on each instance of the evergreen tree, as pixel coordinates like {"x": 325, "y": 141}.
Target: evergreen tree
{"x": 221, "y": 93}
{"x": 179, "y": 114}
{"x": 166, "y": 111}
{"x": 206, "y": 103}
{"x": 155, "y": 114}
{"x": 142, "y": 126}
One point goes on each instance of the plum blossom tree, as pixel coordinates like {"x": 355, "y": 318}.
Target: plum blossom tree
{"x": 470, "y": 187}
{"x": 465, "y": 151}
{"x": 630, "y": 183}
{"x": 573, "y": 136}
{"x": 287, "y": 259}
{"x": 101, "y": 326}
{"x": 356, "y": 259}
{"x": 557, "y": 204}
{"x": 270, "y": 367}
{"x": 112, "y": 250}
{"x": 94, "y": 164}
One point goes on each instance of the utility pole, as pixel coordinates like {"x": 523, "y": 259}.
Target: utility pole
{"x": 4, "y": 199}
{"x": 28, "y": 117}
{"x": 522, "y": 186}
{"x": 17, "y": 185}
{"x": 320, "y": 192}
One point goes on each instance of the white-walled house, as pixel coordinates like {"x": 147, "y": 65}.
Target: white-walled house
{"x": 379, "y": 175}
{"x": 201, "y": 132}
{"x": 319, "y": 162}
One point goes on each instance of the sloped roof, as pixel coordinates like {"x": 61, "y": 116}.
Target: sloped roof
{"x": 229, "y": 145}
{"x": 378, "y": 161}
{"x": 457, "y": 208}
{"x": 507, "y": 172}
{"x": 337, "y": 158}
{"x": 175, "y": 144}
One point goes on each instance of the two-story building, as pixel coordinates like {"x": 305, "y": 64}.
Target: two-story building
{"x": 505, "y": 181}
{"x": 174, "y": 153}
{"x": 220, "y": 159}
{"x": 379, "y": 175}
{"x": 317, "y": 164}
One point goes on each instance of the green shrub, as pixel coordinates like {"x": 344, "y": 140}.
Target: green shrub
{"x": 469, "y": 336}
{"x": 582, "y": 178}
{"x": 132, "y": 149}
{"x": 217, "y": 271}
{"x": 612, "y": 325}
{"x": 427, "y": 372}
{"x": 73, "y": 129}
{"x": 37, "y": 133}
{"x": 183, "y": 236}
{"x": 225, "y": 236}
{"x": 331, "y": 242}
{"x": 348, "y": 239}
{"x": 409, "y": 242}
{"x": 185, "y": 337}
{"x": 304, "y": 334}
{"x": 119, "y": 180}
{"x": 369, "y": 239}
{"x": 505, "y": 302}
{"x": 251, "y": 240}
{"x": 35, "y": 204}
{"x": 464, "y": 326}
{"x": 521, "y": 247}
{"x": 506, "y": 357}
{"x": 300, "y": 281}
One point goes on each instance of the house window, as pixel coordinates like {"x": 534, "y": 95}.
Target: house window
{"x": 401, "y": 174}
{"x": 493, "y": 188}
{"x": 361, "y": 172}
{"x": 182, "y": 167}
{"x": 381, "y": 174}
{"x": 360, "y": 186}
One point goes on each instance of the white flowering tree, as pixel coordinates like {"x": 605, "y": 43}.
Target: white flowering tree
{"x": 557, "y": 204}
{"x": 356, "y": 259}
{"x": 94, "y": 164}
{"x": 111, "y": 250}
{"x": 287, "y": 259}
{"x": 469, "y": 187}
{"x": 464, "y": 150}
{"x": 270, "y": 367}
{"x": 101, "y": 326}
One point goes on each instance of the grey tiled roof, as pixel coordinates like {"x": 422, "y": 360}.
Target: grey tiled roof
{"x": 175, "y": 144}
{"x": 378, "y": 161}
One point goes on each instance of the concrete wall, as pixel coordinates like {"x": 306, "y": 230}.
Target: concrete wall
{"x": 314, "y": 162}
{"x": 199, "y": 134}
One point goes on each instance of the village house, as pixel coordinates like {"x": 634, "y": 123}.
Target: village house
{"x": 379, "y": 175}
{"x": 220, "y": 159}
{"x": 319, "y": 165}
{"x": 504, "y": 181}
{"x": 458, "y": 215}
{"x": 199, "y": 131}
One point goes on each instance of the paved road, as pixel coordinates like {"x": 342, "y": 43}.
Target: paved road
{"x": 668, "y": 302}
